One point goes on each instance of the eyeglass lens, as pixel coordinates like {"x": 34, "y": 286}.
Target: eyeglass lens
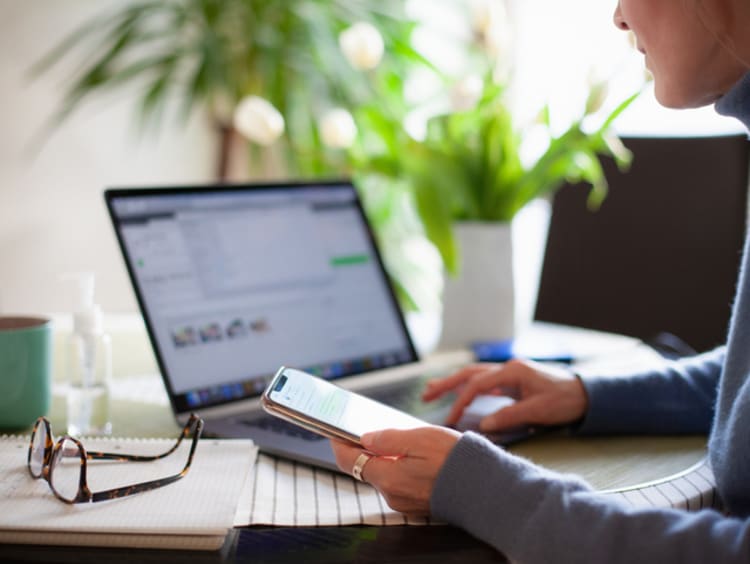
{"x": 38, "y": 442}
{"x": 65, "y": 471}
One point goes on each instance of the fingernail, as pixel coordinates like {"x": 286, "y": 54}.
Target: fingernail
{"x": 368, "y": 439}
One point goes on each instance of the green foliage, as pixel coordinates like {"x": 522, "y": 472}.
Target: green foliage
{"x": 213, "y": 53}
{"x": 469, "y": 166}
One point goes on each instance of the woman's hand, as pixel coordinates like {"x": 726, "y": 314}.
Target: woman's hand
{"x": 405, "y": 465}
{"x": 545, "y": 395}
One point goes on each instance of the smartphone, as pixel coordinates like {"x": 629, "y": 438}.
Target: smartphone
{"x": 329, "y": 410}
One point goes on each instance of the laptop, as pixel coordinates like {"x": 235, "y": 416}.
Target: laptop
{"x": 234, "y": 281}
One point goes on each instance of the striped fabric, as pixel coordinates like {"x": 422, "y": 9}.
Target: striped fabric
{"x": 286, "y": 493}
{"x": 691, "y": 490}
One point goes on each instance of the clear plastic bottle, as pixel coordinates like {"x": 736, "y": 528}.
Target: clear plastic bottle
{"x": 89, "y": 366}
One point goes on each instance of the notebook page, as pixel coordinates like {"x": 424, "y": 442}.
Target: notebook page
{"x": 166, "y": 542}
{"x": 203, "y": 502}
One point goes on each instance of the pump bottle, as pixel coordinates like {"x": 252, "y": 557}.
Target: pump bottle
{"x": 89, "y": 365}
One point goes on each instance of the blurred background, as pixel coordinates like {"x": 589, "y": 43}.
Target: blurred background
{"x": 52, "y": 173}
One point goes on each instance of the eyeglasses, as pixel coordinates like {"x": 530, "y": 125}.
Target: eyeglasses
{"x": 63, "y": 464}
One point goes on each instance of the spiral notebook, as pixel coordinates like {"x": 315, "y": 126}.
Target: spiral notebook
{"x": 195, "y": 513}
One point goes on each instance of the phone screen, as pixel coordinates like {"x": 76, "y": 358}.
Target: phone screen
{"x": 319, "y": 400}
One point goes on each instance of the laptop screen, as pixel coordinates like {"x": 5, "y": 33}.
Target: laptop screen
{"x": 234, "y": 281}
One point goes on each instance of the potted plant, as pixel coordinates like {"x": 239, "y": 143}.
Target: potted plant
{"x": 474, "y": 165}
{"x": 468, "y": 181}
{"x": 320, "y": 88}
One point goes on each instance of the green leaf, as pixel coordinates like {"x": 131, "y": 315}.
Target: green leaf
{"x": 618, "y": 111}
{"x": 437, "y": 221}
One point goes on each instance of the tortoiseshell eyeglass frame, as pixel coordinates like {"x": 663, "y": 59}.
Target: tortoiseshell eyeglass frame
{"x": 52, "y": 452}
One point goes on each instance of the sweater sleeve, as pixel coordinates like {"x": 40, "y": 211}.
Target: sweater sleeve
{"x": 534, "y": 515}
{"x": 679, "y": 398}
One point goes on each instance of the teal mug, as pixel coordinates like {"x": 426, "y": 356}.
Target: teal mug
{"x": 25, "y": 370}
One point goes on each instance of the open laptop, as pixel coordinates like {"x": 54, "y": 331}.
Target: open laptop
{"x": 234, "y": 281}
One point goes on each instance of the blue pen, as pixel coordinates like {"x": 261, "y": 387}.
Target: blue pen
{"x": 502, "y": 351}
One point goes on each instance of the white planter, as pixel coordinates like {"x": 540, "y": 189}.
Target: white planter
{"x": 478, "y": 304}
{"x": 494, "y": 295}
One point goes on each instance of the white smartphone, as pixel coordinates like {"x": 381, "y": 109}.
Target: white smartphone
{"x": 327, "y": 409}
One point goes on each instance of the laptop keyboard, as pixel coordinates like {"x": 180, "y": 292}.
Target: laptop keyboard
{"x": 406, "y": 396}
{"x": 270, "y": 423}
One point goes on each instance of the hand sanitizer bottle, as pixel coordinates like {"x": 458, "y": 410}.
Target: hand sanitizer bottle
{"x": 89, "y": 365}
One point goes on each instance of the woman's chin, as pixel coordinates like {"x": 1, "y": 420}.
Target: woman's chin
{"x": 677, "y": 100}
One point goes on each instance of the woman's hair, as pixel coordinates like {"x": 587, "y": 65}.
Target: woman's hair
{"x": 717, "y": 17}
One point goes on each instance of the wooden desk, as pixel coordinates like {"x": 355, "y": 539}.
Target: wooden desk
{"x": 615, "y": 462}
{"x": 605, "y": 462}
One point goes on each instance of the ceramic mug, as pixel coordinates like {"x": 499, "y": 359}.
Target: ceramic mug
{"x": 25, "y": 370}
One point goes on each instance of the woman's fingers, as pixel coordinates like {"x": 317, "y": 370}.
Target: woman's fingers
{"x": 514, "y": 415}
{"x": 389, "y": 444}
{"x": 439, "y": 386}
{"x": 346, "y": 454}
{"x": 504, "y": 377}
{"x": 549, "y": 397}
{"x": 404, "y": 463}
{"x": 421, "y": 442}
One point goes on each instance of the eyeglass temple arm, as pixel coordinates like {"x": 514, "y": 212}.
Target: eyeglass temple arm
{"x": 136, "y": 488}
{"x": 152, "y": 484}
{"x": 97, "y": 455}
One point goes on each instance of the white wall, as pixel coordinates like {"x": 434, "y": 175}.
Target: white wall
{"x": 52, "y": 216}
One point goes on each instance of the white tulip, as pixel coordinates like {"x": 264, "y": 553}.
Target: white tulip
{"x": 337, "y": 129}
{"x": 466, "y": 93}
{"x": 490, "y": 24}
{"x": 487, "y": 14}
{"x": 258, "y": 120}
{"x": 362, "y": 45}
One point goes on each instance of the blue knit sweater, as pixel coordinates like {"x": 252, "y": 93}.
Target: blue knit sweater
{"x": 534, "y": 515}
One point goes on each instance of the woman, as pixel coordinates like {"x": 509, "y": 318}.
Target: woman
{"x": 699, "y": 53}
